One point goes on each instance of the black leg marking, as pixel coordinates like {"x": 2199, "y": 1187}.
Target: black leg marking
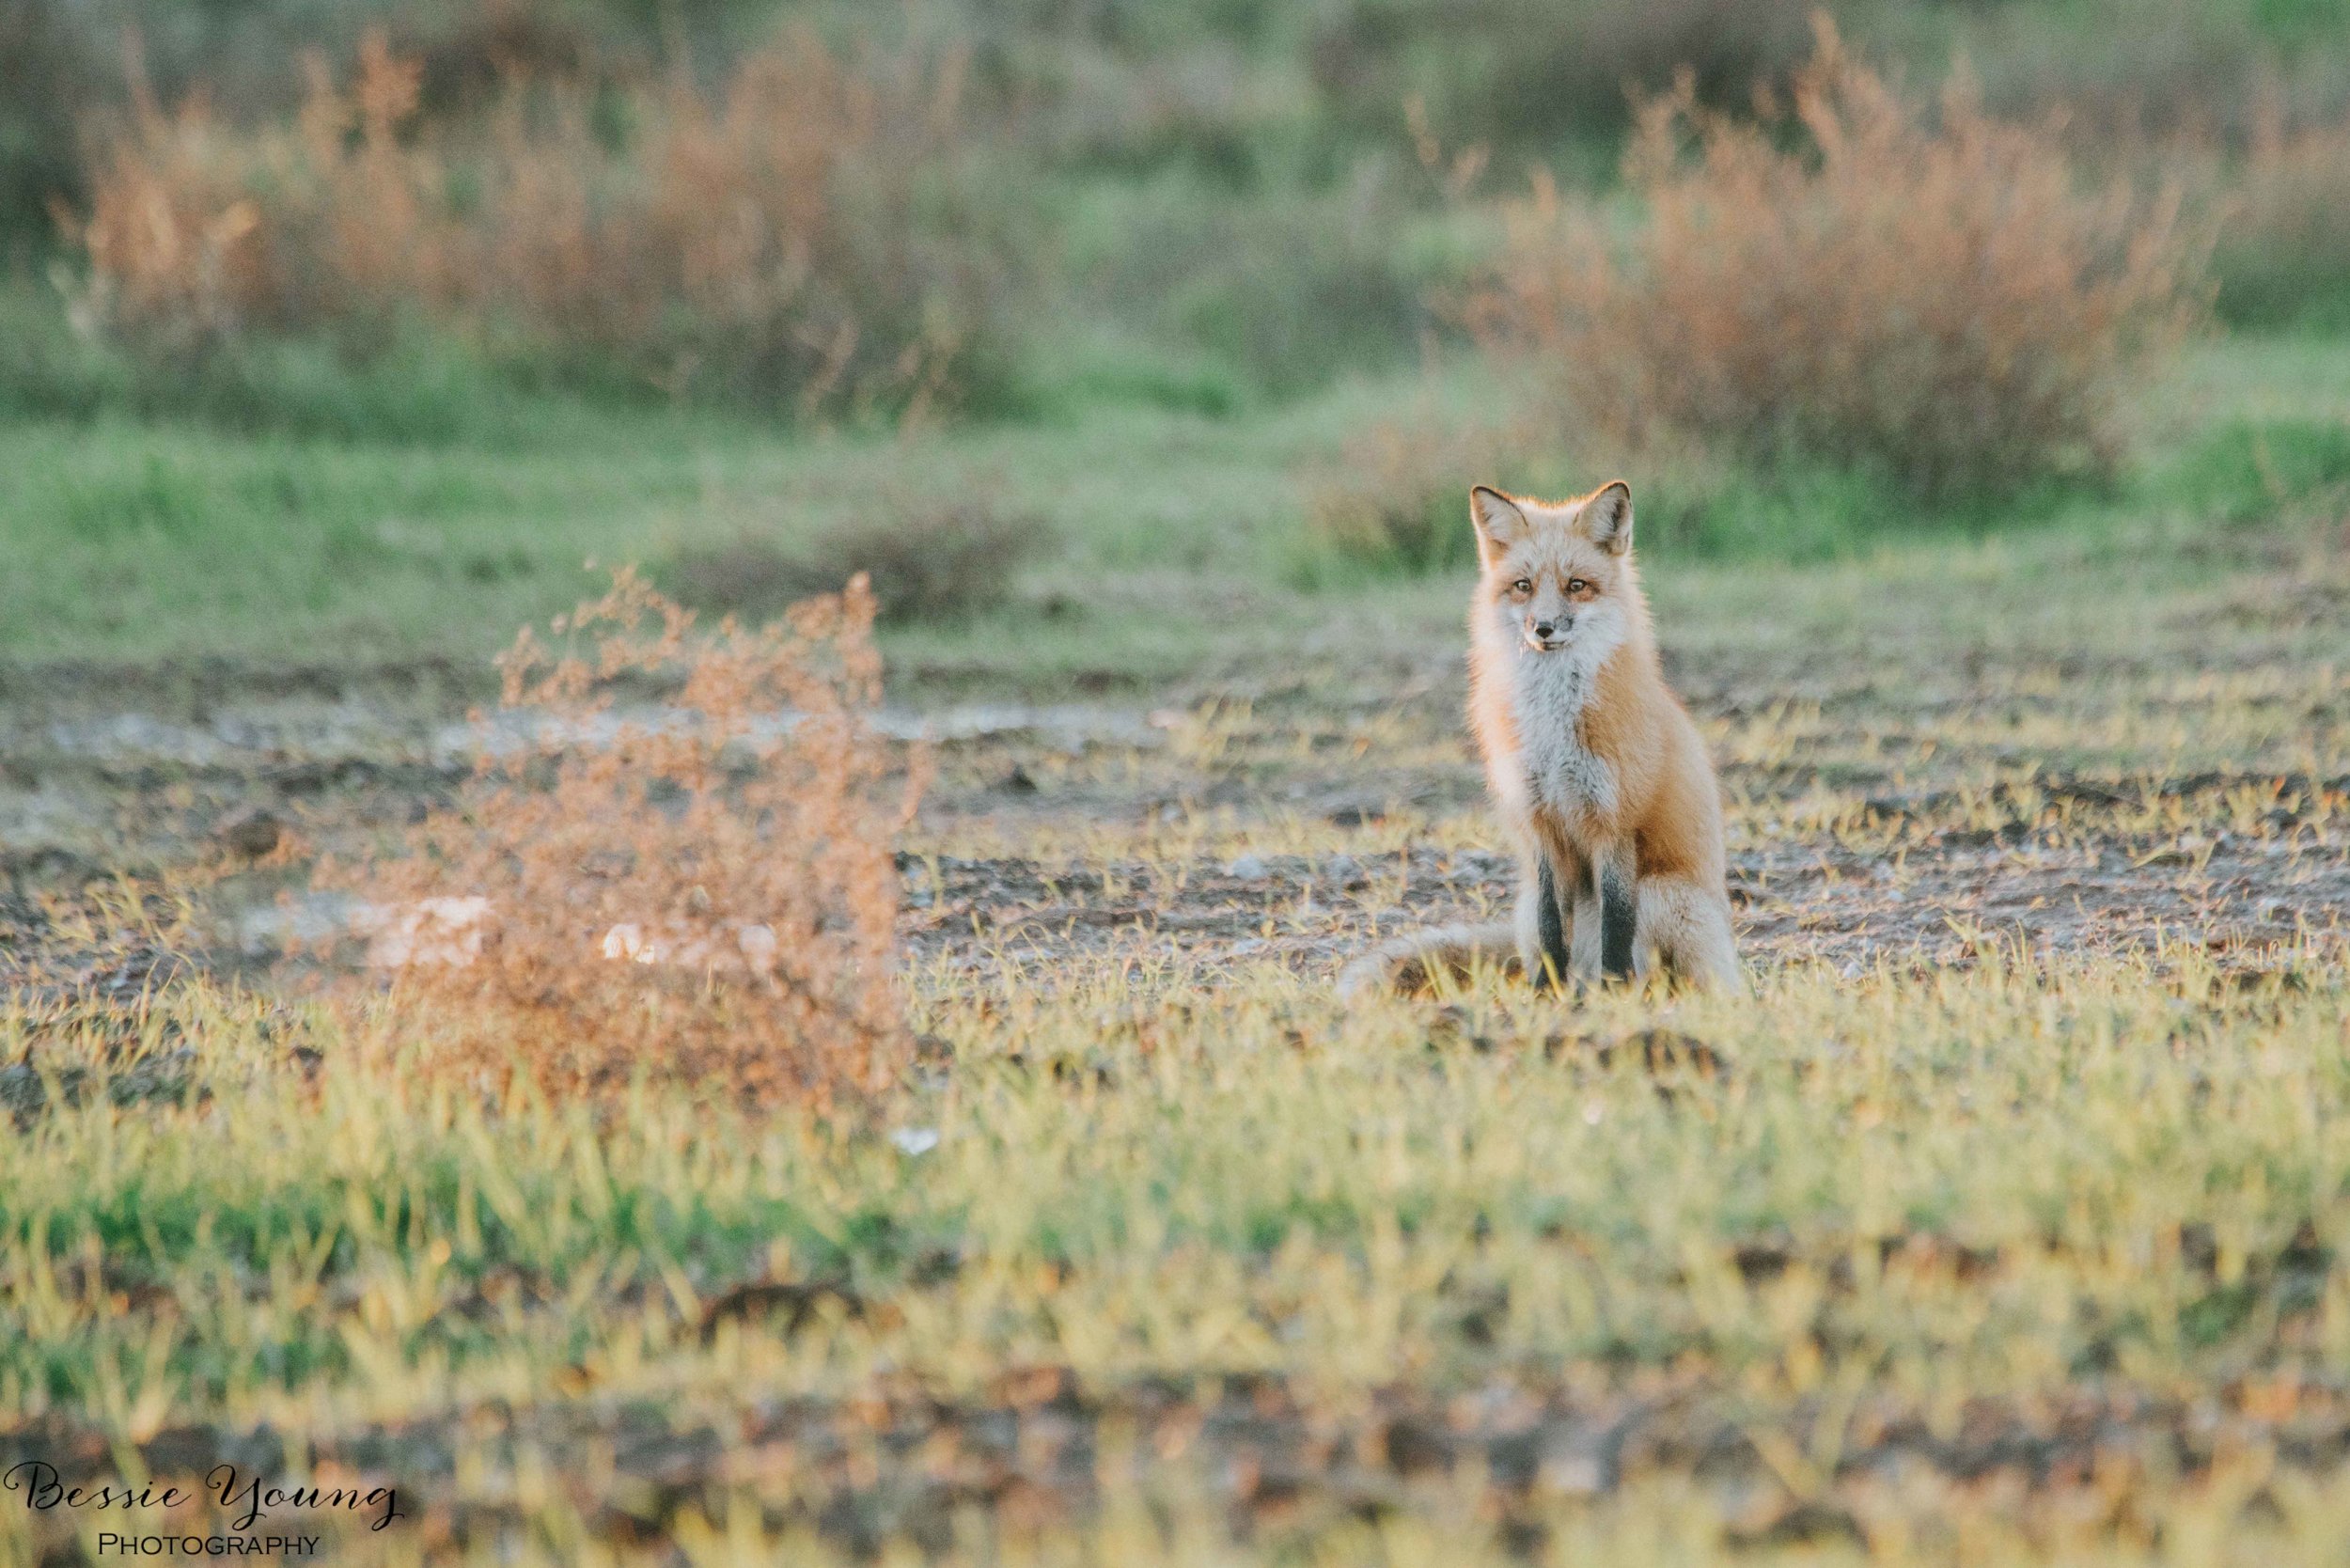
{"x": 1551, "y": 944}
{"x": 1617, "y": 921}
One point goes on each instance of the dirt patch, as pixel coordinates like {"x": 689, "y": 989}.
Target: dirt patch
{"x": 1855, "y": 840}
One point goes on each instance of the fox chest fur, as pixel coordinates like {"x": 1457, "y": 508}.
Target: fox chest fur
{"x": 1550, "y": 770}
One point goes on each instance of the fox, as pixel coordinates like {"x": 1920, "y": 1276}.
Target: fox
{"x": 1593, "y": 763}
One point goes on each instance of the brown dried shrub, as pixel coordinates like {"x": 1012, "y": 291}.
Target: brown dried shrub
{"x": 697, "y": 889}
{"x": 772, "y": 242}
{"x": 1934, "y": 296}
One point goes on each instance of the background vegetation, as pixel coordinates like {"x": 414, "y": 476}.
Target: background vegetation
{"x": 617, "y": 232}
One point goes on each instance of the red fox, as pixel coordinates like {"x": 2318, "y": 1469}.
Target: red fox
{"x": 1599, "y": 774}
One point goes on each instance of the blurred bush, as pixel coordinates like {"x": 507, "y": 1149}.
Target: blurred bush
{"x": 412, "y": 386}
{"x": 924, "y": 561}
{"x": 796, "y": 237}
{"x": 2132, "y": 71}
{"x": 2283, "y": 253}
{"x": 1933, "y": 298}
{"x": 1396, "y": 496}
{"x": 1533, "y": 72}
{"x": 1018, "y": 206}
{"x": 1283, "y": 289}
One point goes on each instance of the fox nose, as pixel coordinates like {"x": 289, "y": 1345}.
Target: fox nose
{"x": 1544, "y": 630}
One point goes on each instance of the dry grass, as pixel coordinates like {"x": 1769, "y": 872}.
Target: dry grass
{"x": 931, "y": 563}
{"x": 765, "y": 242}
{"x": 701, "y": 891}
{"x": 1934, "y": 297}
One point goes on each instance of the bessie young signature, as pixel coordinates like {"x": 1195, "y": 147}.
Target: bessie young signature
{"x": 246, "y": 1500}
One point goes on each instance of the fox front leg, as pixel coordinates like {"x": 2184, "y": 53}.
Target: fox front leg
{"x": 1618, "y": 914}
{"x": 1549, "y": 962}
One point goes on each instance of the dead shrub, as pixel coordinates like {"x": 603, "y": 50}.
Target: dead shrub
{"x": 925, "y": 561}
{"x": 1934, "y": 297}
{"x": 699, "y": 889}
{"x": 770, "y": 243}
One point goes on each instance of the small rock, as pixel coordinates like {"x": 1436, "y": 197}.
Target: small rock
{"x": 914, "y": 1141}
{"x": 1246, "y": 867}
{"x": 253, "y": 832}
{"x": 1020, "y": 781}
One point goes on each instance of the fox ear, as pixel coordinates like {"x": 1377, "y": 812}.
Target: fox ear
{"x": 1607, "y": 517}
{"x": 1499, "y": 523}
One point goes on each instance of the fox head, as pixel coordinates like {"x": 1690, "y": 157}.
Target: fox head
{"x": 1556, "y": 574}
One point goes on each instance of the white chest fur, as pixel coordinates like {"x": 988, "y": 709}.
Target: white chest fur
{"x": 1549, "y": 693}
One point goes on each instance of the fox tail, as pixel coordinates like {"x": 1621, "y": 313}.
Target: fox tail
{"x": 1411, "y": 963}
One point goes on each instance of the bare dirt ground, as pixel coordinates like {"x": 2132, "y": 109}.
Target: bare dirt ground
{"x": 1225, "y": 824}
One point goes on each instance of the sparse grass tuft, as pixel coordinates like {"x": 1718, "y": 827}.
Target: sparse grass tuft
{"x": 1930, "y": 297}
{"x": 701, "y": 891}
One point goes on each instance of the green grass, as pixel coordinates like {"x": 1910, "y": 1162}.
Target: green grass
{"x": 1179, "y": 533}
{"x": 1939, "y": 1197}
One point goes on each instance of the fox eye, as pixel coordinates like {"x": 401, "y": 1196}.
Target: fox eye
{"x": 1521, "y": 586}
{"x": 1577, "y": 585}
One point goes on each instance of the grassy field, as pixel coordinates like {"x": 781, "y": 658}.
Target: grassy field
{"x": 1991, "y": 479}
{"x": 2003, "y": 1225}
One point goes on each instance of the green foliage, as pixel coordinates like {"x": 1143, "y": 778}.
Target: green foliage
{"x": 2244, "y": 471}
{"x": 2283, "y": 259}
{"x": 1065, "y": 380}
{"x": 1283, "y": 289}
{"x": 417, "y": 385}
{"x": 1536, "y": 73}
